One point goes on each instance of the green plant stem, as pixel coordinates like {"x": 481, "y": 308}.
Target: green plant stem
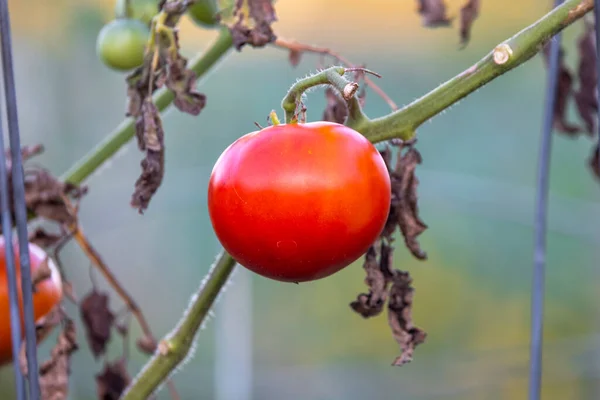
{"x": 524, "y": 45}
{"x": 331, "y": 76}
{"x": 175, "y": 347}
{"x": 162, "y": 99}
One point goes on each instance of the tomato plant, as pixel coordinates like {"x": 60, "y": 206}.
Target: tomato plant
{"x": 48, "y": 293}
{"x": 299, "y": 202}
{"x": 142, "y": 10}
{"x": 204, "y": 12}
{"x": 121, "y": 44}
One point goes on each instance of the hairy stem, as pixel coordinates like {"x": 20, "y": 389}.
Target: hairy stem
{"x": 173, "y": 349}
{"x": 331, "y": 76}
{"x": 126, "y": 129}
{"x": 505, "y": 57}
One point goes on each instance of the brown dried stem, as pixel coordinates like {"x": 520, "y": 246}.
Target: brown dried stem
{"x": 298, "y": 47}
{"x": 76, "y": 232}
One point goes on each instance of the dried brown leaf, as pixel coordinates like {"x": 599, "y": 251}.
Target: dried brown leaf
{"x": 97, "y": 320}
{"x": 54, "y": 373}
{"x": 43, "y": 327}
{"x": 404, "y": 200}
{"x": 585, "y": 97}
{"x": 336, "y": 109}
{"x": 564, "y": 91}
{"x": 250, "y": 23}
{"x": 44, "y": 194}
{"x": 468, "y": 13}
{"x": 378, "y": 277}
{"x": 113, "y": 380}
{"x": 433, "y": 13}
{"x": 150, "y": 135}
{"x": 400, "y": 317}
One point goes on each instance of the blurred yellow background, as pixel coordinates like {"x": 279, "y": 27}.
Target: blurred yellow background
{"x": 477, "y": 195}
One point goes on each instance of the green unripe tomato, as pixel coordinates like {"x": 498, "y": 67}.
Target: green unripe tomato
{"x": 121, "y": 43}
{"x": 142, "y": 10}
{"x": 203, "y": 12}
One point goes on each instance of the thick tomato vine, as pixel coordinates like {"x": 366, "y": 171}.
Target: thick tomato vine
{"x": 48, "y": 293}
{"x": 299, "y": 202}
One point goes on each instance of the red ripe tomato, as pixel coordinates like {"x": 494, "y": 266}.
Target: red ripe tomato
{"x": 47, "y": 295}
{"x": 299, "y": 202}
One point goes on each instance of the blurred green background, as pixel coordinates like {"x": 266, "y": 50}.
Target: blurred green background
{"x": 270, "y": 340}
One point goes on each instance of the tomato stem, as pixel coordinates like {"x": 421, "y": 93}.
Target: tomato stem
{"x": 163, "y": 98}
{"x": 176, "y": 346}
{"x": 333, "y": 76}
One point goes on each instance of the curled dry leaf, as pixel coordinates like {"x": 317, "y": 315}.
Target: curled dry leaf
{"x": 563, "y": 94}
{"x": 150, "y": 136}
{"x": 250, "y": 22}
{"x": 400, "y": 317}
{"x": 585, "y": 97}
{"x": 44, "y": 194}
{"x": 163, "y": 66}
{"x": 43, "y": 327}
{"x": 433, "y": 13}
{"x": 468, "y": 13}
{"x": 378, "y": 270}
{"x": 112, "y": 381}
{"x": 385, "y": 283}
{"x": 393, "y": 286}
{"x": 54, "y": 373}
{"x": 97, "y": 320}
{"x": 404, "y": 200}
{"x": 336, "y": 109}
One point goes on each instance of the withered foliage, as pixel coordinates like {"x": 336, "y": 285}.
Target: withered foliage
{"x": 585, "y": 96}
{"x": 43, "y": 327}
{"x": 404, "y": 211}
{"x": 250, "y": 23}
{"x": 580, "y": 87}
{"x": 163, "y": 66}
{"x": 98, "y": 321}
{"x": 386, "y": 284}
{"x": 113, "y": 380}
{"x": 394, "y": 287}
{"x": 434, "y": 14}
{"x": 54, "y": 373}
{"x": 150, "y": 138}
{"x": 44, "y": 194}
{"x": 336, "y": 109}
{"x": 564, "y": 91}
{"x": 468, "y": 14}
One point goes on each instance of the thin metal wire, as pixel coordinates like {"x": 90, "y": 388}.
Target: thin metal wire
{"x": 19, "y": 203}
{"x": 540, "y": 222}
{"x": 15, "y": 326}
